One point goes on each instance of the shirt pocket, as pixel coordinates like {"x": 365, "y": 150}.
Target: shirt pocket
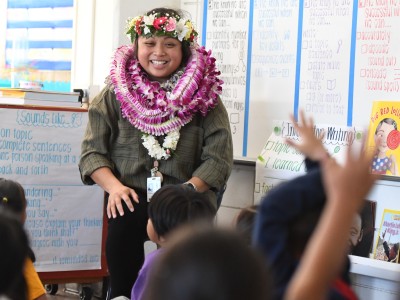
{"x": 127, "y": 141}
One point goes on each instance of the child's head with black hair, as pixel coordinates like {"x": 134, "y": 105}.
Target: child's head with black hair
{"x": 244, "y": 222}
{"x": 175, "y": 205}
{"x": 12, "y": 198}
{"x": 210, "y": 263}
{"x": 13, "y": 253}
{"x": 356, "y": 232}
{"x": 300, "y": 230}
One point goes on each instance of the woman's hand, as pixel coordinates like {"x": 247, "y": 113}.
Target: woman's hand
{"x": 116, "y": 196}
{"x": 116, "y": 190}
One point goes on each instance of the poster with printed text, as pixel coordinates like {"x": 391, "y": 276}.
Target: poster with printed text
{"x": 387, "y": 247}
{"x": 384, "y": 137}
{"x": 278, "y": 161}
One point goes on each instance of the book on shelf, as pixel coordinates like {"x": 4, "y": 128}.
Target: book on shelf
{"x": 384, "y": 137}
{"x": 362, "y": 230}
{"x": 21, "y": 101}
{"x": 29, "y": 97}
{"x": 388, "y": 241}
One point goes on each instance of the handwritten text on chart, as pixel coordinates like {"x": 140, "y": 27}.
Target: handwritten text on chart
{"x": 21, "y": 153}
{"x": 49, "y": 119}
{"x": 274, "y": 56}
{"x": 40, "y": 149}
{"x": 227, "y": 32}
{"x": 25, "y": 152}
{"x": 379, "y": 69}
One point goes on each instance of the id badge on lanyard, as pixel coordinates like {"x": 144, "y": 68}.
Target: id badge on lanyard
{"x": 154, "y": 182}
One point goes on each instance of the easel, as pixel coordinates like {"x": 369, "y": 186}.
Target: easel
{"x": 52, "y": 279}
{"x": 51, "y": 125}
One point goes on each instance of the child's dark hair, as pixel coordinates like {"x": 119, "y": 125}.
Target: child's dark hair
{"x": 12, "y": 198}
{"x": 186, "y": 53}
{"x": 245, "y": 222}
{"x": 301, "y": 230}
{"x": 367, "y": 215}
{"x": 210, "y": 264}
{"x": 13, "y": 253}
{"x": 175, "y": 205}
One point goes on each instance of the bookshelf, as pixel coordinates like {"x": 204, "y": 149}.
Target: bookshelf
{"x": 371, "y": 278}
{"x": 375, "y": 268}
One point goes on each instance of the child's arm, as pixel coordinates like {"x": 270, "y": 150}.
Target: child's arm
{"x": 346, "y": 186}
{"x": 310, "y": 145}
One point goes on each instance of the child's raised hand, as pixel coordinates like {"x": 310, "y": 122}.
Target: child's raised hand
{"x": 351, "y": 182}
{"x": 310, "y": 145}
{"x": 346, "y": 187}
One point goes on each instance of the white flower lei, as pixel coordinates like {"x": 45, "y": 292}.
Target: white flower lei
{"x": 154, "y": 147}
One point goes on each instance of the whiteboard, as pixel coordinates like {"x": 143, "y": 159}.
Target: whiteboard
{"x": 40, "y": 149}
{"x": 331, "y": 58}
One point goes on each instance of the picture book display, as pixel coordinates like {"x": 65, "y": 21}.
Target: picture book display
{"x": 384, "y": 137}
{"x": 388, "y": 241}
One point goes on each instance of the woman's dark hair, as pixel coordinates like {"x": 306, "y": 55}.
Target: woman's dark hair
{"x": 207, "y": 265}
{"x": 186, "y": 53}
{"x": 175, "y": 205}
{"x": 13, "y": 253}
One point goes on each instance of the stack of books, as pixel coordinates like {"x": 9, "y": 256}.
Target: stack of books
{"x": 19, "y": 96}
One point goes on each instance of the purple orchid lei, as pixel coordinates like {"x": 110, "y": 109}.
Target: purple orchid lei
{"x": 152, "y": 109}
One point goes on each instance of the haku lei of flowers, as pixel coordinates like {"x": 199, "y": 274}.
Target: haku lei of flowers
{"x": 157, "y": 111}
{"x": 158, "y": 24}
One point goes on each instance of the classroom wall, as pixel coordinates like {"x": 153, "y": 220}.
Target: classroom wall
{"x": 107, "y": 22}
{"x": 99, "y": 30}
{"x": 265, "y": 52}
{"x": 238, "y": 194}
{"x": 3, "y": 27}
{"x": 330, "y": 58}
{"x": 109, "y": 29}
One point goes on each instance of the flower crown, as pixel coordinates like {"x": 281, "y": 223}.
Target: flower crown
{"x": 160, "y": 24}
